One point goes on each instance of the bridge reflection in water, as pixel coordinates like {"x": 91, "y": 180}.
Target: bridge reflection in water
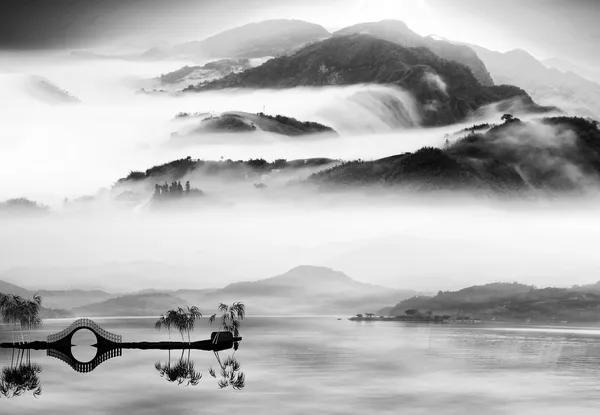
{"x": 107, "y": 345}
{"x": 68, "y": 358}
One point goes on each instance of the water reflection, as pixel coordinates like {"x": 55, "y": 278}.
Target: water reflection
{"x": 66, "y": 355}
{"x": 183, "y": 370}
{"x": 230, "y": 374}
{"x": 21, "y": 376}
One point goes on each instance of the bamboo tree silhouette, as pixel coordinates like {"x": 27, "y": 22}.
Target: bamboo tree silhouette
{"x": 231, "y": 316}
{"x": 31, "y": 313}
{"x": 20, "y": 313}
{"x": 183, "y": 321}
{"x": 166, "y": 320}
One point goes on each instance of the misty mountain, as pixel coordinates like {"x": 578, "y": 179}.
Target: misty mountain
{"x": 548, "y": 86}
{"x": 507, "y": 301}
{"x": 445, "y": 91}
{"x": 219, "y": 174}
{"x": 189, "y": 75}
{"x": 58, "y": 299}
{"x": 567, "y": 66}
{"x": 147, "y": 304}
{"x": 238, "y": 121}
{"x": 253, "y": 40}
{"x": 303, "y": 290}
{"x": 559, "y": 154}
{"x": 398, "y": 32}
{"x": 112, "y": 276}
{"x": 46, "y": 91}
{"x": 22, "y": 207}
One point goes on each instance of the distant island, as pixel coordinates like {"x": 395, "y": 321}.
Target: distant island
{"x": 505, "y": 302}
{"x": 414, "y": 316}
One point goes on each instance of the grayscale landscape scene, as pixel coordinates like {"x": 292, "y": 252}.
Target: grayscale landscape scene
{"x": 300, "y": 207}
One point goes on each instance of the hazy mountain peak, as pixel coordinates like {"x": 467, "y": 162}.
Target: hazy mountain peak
{"x": 520, "y": 53}
{"x": 313, "y": 273}
{"x": 433, "y": 36}
{"x": 395, "y": 22}
{"x": 252, "y": 40}
{"x": 272, "y": 24}
{"x": 389, "y": 27}
{"x": 398, "y": 32}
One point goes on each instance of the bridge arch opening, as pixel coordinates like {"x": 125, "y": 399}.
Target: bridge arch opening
{"x": 82, "y": 343}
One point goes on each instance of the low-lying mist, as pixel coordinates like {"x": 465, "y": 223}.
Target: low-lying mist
{"x": 420, "y": 246}
{"x": 55, "y": 150}
{"x": 83, "y": 146}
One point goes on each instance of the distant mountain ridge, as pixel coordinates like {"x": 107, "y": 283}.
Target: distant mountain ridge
{"x": 304, "y": 290}
{"x": 253, "y": 40}
{"x": 566, "y": 66}
{"x": 568, "y": 90}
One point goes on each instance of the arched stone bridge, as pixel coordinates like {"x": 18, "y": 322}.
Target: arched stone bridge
{"x": 103, "y": 337}
{"x": 66, "y": 356}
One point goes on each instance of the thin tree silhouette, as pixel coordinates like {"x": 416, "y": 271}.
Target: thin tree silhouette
{"x": 182, "y": 320}
{"x": 31, "y": 313}
{"x": 231, "y": 316}
{"x": 19, "y": 313}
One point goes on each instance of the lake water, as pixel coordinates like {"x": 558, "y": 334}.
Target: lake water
{"x": 330, "y": 366}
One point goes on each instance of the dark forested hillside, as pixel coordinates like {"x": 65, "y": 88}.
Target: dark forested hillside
{"x": 445, "y": 90}
{"x": 398, "y": 32}
{"x": 238, "y": 121}
{"x": 553, "y": 154}
{"x": 177, "y": 169}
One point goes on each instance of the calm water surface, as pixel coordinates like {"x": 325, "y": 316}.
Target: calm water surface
{"x": 328, "y": 366}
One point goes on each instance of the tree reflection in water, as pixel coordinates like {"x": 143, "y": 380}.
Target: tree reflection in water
{"x": 183, "y": 370}
{"x": 230, "y": 374}
{"x": 21, "y": 376}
